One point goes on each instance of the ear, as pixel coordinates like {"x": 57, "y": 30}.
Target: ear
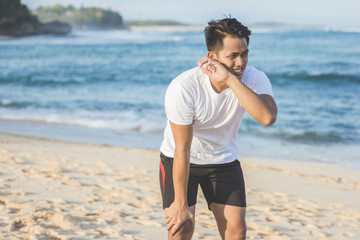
{"x": 211, "y": 54}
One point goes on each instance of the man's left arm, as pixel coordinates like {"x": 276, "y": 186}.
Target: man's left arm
{"x": 261, "y": 107}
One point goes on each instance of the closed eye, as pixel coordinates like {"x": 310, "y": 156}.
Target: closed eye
{"x": 245, "y": 53}
{"x": 234, "y": 55}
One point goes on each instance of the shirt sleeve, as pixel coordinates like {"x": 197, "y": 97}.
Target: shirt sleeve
{"x": 179, "y": 104}
{"x": 258, "y": 82}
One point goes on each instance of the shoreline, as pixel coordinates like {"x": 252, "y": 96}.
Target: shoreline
{"x": 6, "y": 37}
{"x": 62, "y": 189}
{"x": 167, "y": 28}
{"x": 149, "y": 28}
{"x": 269, "y": 149}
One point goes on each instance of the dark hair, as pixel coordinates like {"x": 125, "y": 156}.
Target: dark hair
{"x": 217, "y": 30}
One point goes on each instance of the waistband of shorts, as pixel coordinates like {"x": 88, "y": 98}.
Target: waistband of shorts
{"x": 193, "y": 165}
{"x": 219, "y": 165}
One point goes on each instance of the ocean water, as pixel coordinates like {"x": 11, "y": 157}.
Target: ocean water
{"x": 108, "y": 88}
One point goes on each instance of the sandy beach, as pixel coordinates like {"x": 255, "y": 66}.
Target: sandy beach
{"x": 53, "y": 189}
{"x": 3, "y": 37}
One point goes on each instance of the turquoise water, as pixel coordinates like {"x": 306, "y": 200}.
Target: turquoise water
{"x": 108, "y": 88}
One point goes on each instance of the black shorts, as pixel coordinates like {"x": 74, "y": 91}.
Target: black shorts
{"x": 220, "y": 183}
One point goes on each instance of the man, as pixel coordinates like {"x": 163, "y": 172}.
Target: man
{"x": 204, "y": 107}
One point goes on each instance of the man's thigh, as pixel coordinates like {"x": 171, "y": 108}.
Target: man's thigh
{"x": 228, "y": 212}
{"x": 230, "y": 220}
{"x": 225, "y": 185}
{"x": 167, "y": 186}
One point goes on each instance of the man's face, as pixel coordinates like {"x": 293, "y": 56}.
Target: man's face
{"x": 233, "y": 55}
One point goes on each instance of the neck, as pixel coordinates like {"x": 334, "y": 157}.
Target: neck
{"x": 218, "y": 87}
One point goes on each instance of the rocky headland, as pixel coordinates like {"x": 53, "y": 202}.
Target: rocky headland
{"x": 17, "y": 21}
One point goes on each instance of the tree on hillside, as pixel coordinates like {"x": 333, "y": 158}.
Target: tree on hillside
{"x": 83, "y": 18}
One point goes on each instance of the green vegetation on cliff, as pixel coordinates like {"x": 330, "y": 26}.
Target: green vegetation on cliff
{"x": 83, "y": 18}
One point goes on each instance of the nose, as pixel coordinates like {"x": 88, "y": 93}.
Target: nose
{"x": 239, "y": 61}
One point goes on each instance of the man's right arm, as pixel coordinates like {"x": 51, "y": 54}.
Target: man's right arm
{"x": 179, "y": 212}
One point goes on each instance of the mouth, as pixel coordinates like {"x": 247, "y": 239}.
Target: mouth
{"x": 238, "y": 72}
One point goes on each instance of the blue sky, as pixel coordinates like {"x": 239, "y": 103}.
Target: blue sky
{"x": 332, "y": 13}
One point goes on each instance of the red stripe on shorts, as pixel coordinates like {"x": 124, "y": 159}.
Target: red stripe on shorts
{"x": 163, "y": 176}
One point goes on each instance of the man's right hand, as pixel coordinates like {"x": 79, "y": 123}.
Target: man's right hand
{"x": 214, "y": 69}
{"x": 176, "y": 215}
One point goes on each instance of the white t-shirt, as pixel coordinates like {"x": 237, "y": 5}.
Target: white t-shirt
{"x": 216, "y": 117}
